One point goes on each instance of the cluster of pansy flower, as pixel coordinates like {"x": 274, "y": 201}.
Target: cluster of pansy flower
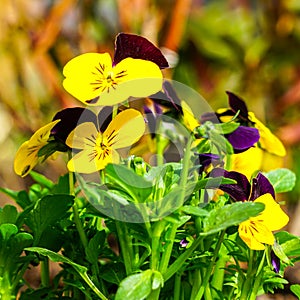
{"x": 93, "y": 135}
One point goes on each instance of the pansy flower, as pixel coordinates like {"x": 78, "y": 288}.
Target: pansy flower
{"x": 27, "y": 155}
{"x": 256, "y": 231}
{"x": 96, "y": 79}
{"x": 241, "y": 139}
{"x": 267, "y": 141}
{"x": 94, "y": 149}
{"x": 52, "y": 137}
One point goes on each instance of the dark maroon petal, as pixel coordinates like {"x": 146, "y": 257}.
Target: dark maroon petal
{"x": 69, "y": 119}
{"x": 260, "y": 186}
{"x": 237, "y": 104}
{"x": 239, "y": 191}
{"x": 135, "y": 46}
{"x": 243, "y": 137}
{"x": 168, "y": 98}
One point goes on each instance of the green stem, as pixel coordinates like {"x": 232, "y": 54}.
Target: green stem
{"x": 248, "y": 282}
{"x": 115, "y": 111}
{"x": 178, "y": 263}
{"x": 19, "y": 276}
{"x": 177, "y": 286}
{"x": 210, "y": 267}
{"x": 218, "y": 276}
{"x": 196, "y": 282}
{"x": 45, "y": 278}
{"x": 77, "y": 220}
{"x": 168, "y": 251}
{"x": 126, "y": 246}
{"x": 258, "y": 278}
{"x": 155, "y": 245}
{"x": 91, "y": 284}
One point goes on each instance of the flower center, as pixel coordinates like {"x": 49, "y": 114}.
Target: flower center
{"x": 104, "y": 79}
{"x": 102, "y": 147}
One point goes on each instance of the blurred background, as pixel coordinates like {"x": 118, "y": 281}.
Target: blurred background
{"x": 248, "y": 47}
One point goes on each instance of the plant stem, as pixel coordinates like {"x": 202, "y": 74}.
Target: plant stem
{"x": 77, "y": 221}
{"x": 258, "y": 277}
{"x": 177, "y": 286}
{"x": 90, "y": 283}
{"x": 126, "y": 246}
{"x": 155, "y": 245}
{"x": 248, "y": 282}
{"x": 178, "y": 263}
{"x": 210, "y": 267}
{"x": 168, "y": 251}
{"x": 45, "y": 279}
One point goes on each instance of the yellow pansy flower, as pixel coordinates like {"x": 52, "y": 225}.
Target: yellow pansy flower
{"x": 257, "y": 231}
{"x": 27, "y": 156}
{"x": 97, "y": 149}
{"x": 93, "y": 79}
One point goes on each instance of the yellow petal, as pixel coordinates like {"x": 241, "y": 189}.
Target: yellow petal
{"x": 83, "y": 136}
{"x": 272, "y": 216}
{"x": 85, "y": 162}
{"x": 255, "y": 234}
{"x": 268, "y": 140}
{"x": 133, "y": 78}
{"x": 188, "y": 117}
{"x": 91, "y": 76}
{"x": 27, "y": 155}
{"x": 25, "y": 160}
{"x": 41, "y": 136}
{"x": 84, "y": 73}
{"x": 247, "y": 162}
{"x": 125, "y": 129}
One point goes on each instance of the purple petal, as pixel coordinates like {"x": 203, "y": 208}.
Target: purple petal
{"x": 237, "y": 104}
{"x": 205, "y": 159}
{"x": 69, "y": 119}
{"x": 151, "y": 121}
{"x": 135, "y": 46}
{"x": 243, "y": 137}
{"x": 239, "y": 191}
{"x": 275, "y": 262}
{"x": 184, "y": 242}
{"x": 260, "y": 186}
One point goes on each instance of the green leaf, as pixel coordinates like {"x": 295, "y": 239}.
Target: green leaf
{"x": 283, "y": 180}
{"x": 55, "y": 257}
{"x": 136, "y": 286}
{"x": 212, "y": 183}
{"x": 7, "y": 230}
{"x": 8, "y": 214}
{"x": 157, "y": 280}
{"x": 225, "y": 128}
{"x": 12, "y": 242}
{"x": 128, "y": 181}
{"x": 229, "y": 215}
{"x": 295, "y": 288}
{"x": 194, "y": 210}
{"x": 289, "y": 243}
{"x": 47, "y": 211}
{"x": 94, "y": 246}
